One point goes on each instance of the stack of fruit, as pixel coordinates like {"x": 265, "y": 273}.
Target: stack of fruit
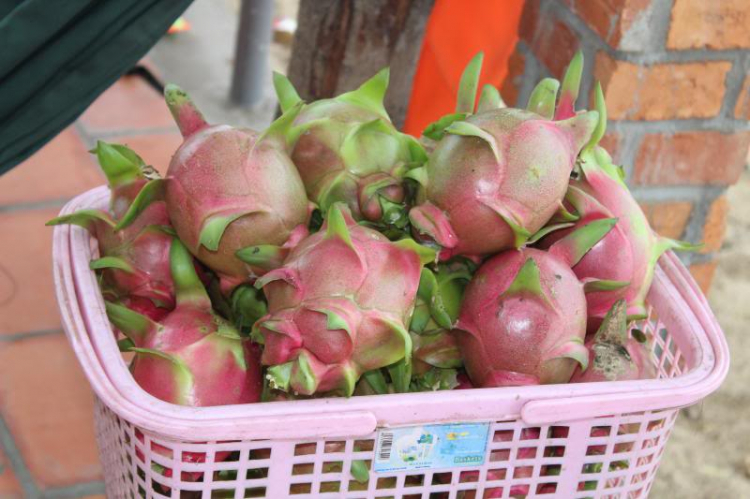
{"x": 332, "y": 255}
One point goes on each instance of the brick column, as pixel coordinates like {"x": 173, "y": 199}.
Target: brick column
{"x": 676, "y": 77}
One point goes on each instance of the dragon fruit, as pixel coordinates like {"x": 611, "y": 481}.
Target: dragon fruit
{"x": 229, "y": 189}
{"x": 134, "y": 237}
{"x": 191, "y": 357}
{"x": 615, "y": 355}
{"x": 347, "y": 150}
{"x": 523, "y": 320}
{"x": 339, "y": 307}
{"x": 498, "y": 176}
{"x": 622, "y": 264}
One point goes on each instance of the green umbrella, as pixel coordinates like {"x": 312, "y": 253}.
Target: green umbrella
{"x": 56, "y": 57}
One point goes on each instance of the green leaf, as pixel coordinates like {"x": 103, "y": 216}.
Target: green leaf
{"x": 527, "y": 280}
{"x": 467, "y": 87}
{"x": 214, "y": 228}
{"x": 377, "y": 381}
{"x": 188, "y": 287}
{"x": 280, "y": 131}
{"x": 371, "y": 94}
{"x": 426, "y": 255}
{"x": 466, "y": 129}
{"x": 120, "y": 164}
{"x": 601, "y": 125}
{"x": 603, "y": 285}
{"x": 436, "y": 129}
{"x": 360, "y": 471}
{"x": 132, "y": 324}
{"x": 575, "y": 245}
{"x": 84, "y": 218}
{"x": 285, "y": 91}
{"x": 336, "y": 226}
{"x": 111, "y": 262}
{"x": 543, "y": 97}
{"x": 265, "y": 256}
{"x": 571, "y": 86}
{"x": 152, "y": 191}
{"x": 489, "y": 99}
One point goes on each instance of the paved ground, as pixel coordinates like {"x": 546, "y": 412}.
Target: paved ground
{"x": 46, "y": 437}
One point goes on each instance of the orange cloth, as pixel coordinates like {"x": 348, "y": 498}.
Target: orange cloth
{"x": 456, "y": 31}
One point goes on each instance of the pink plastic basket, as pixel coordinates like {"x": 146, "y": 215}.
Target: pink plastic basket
{"x": 572, "y": 441}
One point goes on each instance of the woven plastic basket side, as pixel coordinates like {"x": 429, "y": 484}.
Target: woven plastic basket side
{"x": 613, "y": 456}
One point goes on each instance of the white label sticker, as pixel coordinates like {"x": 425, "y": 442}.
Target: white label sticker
{"x": 431, "y": 446}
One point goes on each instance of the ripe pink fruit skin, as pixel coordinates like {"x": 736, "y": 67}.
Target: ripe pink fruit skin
{"x": 517, "y": 339}
{"x": 145, "y": 246}
{"x": 470, "y": 192}
{"x": 225, "y": 172}
{"x": 369, "y": 286}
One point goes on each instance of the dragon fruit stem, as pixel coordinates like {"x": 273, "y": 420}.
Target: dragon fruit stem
{"x": 120, "y": 164}
{"x": 187, "y": 116}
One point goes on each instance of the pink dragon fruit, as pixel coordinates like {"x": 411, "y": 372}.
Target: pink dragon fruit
{"x": 338, "y": 307}
{"x": 230, "y": 188}
{"x": 135, "y": 237}
{"x": 622, "y": 264}
{"x": 347, "y": 150}
{"x": 193, "y": 356}
{"x": 498, "y": 176}
{"x": 523, "y": 320}
{"x": 615, "y": 355}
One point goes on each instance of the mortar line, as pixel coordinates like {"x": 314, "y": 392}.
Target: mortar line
{"x": 733, "y": 86}
{"x": 715, "y": 124}
{"x": 73, "y": 491}
{"x": 34, "y": 205}
{"x": 13, "y": 337}
{"x": 17, "y": 463}
{"x": 663, "y": 56}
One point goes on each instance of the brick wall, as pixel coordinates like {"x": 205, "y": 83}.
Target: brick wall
{"x": 676, "y": 78}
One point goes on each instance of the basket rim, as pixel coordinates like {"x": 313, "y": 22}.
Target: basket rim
{"x": 92, "y": 339}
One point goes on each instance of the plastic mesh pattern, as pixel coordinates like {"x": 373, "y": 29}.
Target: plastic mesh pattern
{"x": 609, "y": 457}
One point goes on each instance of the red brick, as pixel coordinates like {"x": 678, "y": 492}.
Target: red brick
{"x": 60, "y": 170}
{"x": 611, "y": 142}
{"x": 155, "y": 149}
{"x": 529, "y": 20}
{"x": 129, "y": 104}
{"x": 610, "y": 19}
{"x": 555, "y": 45}
{"x": 27, "y": 299}
{"x": 703, "y": 273}
{"x": 514, "y": 78}
{"x": 661, "y": 91}
{"x": 9, "y": 486}
{"x": 48, "y": 406}
{"x": 668, "y": 219}
{"x": 742, "y": 108}
{"x": 691, "y": 158}
{"x": 711, "y": 24}
{"x": 716, "y": 225}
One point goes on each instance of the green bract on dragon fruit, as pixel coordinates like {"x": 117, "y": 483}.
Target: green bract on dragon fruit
{"x": 333, "y": 255}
